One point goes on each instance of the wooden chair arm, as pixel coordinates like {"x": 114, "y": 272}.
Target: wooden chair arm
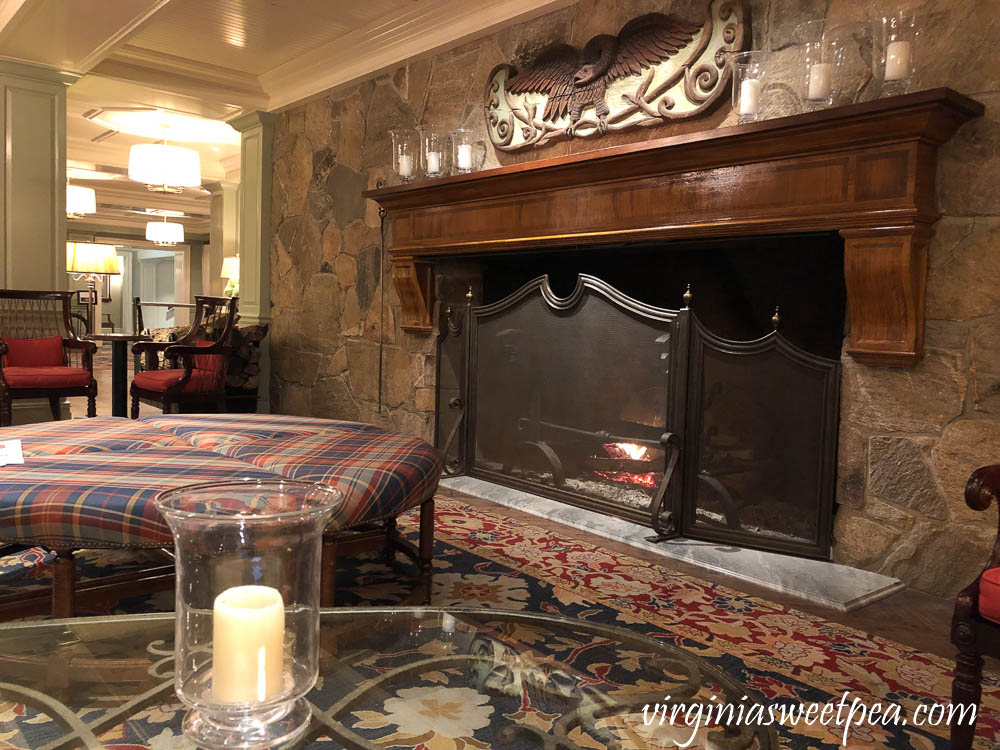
{"x": 982, "y": 489}
{"x": 152, "y": 350}
{"x": 3, "y": 348}
{"x": 87, "y": 346}
{"x": 88, "y": 349}
{"x": 143, "y": 347}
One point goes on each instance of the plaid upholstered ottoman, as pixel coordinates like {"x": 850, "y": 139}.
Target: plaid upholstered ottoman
{"x": 89, "y": 484}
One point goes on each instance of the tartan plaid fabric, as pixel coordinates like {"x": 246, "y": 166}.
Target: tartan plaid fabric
{"x": 381, "y": 473}
{"x": 89, "y": 436}
{"x": 90, "y": 483}
{"x": 103, "y": 499}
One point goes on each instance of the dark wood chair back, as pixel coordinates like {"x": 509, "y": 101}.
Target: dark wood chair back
{"x": 214, "y": 321}
{"x": 39, "y": 314}
{"x": 26, "y": 314}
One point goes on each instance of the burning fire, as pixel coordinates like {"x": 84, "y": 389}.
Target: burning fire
{"x": 627, "y": 450}
{"x": 649, "y": 480}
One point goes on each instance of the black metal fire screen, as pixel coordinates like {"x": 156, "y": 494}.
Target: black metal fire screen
{"x": 591, "y": 399}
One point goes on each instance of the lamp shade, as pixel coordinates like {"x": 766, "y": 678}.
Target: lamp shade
{"x": 87, "y": 257}
{"x": 160, "y": 164}
{"x": 80, "y": 200}
{"x": 230, "y": 267}
{"x": 164, "y": 232}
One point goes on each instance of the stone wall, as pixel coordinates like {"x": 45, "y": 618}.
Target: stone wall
{"x": 910, "y": 437}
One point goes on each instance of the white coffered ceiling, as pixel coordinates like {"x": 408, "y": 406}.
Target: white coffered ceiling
{"x": 218, "y": 58}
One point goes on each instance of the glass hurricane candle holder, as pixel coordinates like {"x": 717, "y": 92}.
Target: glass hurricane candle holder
{"x": 433, "y": 152}
{"x": 896, "y": 36}
{"x": 749, "y": 70}
{"x": 468, "y": 152}
{"x": 248, "y": 574}
{"x": 404, "y": 153}
{"x": 821, "y": 62}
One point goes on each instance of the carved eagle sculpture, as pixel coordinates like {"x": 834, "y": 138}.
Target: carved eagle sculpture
{"x": 574, "y": 80}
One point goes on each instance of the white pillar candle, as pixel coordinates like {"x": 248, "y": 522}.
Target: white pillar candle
{"x": 248, "y": 649}
{"x": 433, "y": 162}
{"x": 750, "y": 96}
{"x": 897, "y": 61}
{"x": 465, "y": 156}
{"x": 405, "y": 165}
{"x": 820, "y": 81}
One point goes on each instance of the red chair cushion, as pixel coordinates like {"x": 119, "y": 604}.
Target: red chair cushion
{"x": 208, "y": 362}
{"x": 45, "y": 377}
{"x": 46, "y": 352}
{"x": 989, "y": 594}
{"x": 202, "y": 381}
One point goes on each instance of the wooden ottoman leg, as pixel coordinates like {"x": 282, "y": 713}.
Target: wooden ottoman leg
{"x": 328, "y": 571}
{"x": 391, "y": 539}
{"x": 63, "y": 584}
{"x": 426, "y": 561}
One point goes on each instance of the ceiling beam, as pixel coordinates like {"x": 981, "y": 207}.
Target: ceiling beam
{"x": 122, "y": 35}
{"x": 68, "y": 34}
{"x": 179, "y": 75}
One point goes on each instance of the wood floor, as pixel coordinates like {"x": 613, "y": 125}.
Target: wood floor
{"x": 909, "y": 617}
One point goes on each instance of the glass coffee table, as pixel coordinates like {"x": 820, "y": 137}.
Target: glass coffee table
{"x": 389, "y": 677}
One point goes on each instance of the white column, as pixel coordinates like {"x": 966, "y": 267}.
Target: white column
{"x": 224, "y": 238}
{"x": 33, "y": 182}
{"x": 33, "y": 191}
{"x": 256, "y": 129}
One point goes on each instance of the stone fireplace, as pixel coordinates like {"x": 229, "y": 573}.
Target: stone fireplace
{"x": 842, "y": 175}
{"x": 909, "y": 436}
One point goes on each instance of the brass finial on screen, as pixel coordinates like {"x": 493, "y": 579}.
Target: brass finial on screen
{"x": 468, "y": 294}
{"x": 688, "y": 297}
{"x": 776, "y": 318}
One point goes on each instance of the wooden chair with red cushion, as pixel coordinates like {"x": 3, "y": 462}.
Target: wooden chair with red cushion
{"x": 40, "y": 355}
{"x": 975, "y": 626}
{"x": 204, "y": 351}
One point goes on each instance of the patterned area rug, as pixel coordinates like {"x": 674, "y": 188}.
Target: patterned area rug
{"x": 485, "y": 559}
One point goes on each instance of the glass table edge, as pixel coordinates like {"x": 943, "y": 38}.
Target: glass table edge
{"x": 388, "y": 610}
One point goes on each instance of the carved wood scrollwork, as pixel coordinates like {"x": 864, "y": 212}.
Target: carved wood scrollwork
{"x": 658, "y": 68}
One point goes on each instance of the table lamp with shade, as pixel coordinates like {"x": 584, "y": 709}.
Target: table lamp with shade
{"x": 90, "y": 261}
{"x": 231, "y": 271}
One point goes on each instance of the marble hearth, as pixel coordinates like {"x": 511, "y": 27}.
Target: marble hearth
{"x": 829, "y": 584}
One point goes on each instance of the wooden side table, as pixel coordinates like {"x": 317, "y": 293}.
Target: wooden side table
{"x": 119, "y": 367}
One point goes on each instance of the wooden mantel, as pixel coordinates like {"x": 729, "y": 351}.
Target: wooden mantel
{"x": 865, "y": 170}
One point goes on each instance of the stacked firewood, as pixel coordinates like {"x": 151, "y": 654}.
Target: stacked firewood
{"x": 244, "y": 359}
